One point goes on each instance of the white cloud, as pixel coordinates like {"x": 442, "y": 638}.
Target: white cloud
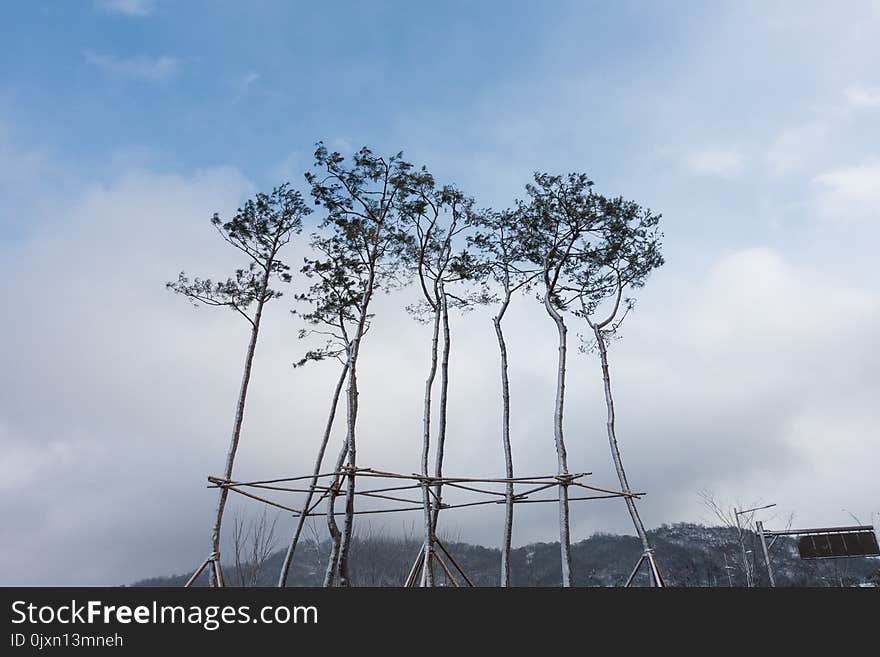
{"x": 797, "y": 147}
{"x": 154, "y": 69}
{"x": 111, "y": 249}
{"x": 719, "y": 162}
{"x": 132, "y": 8}
{"x": 775, "y": 361}
{"x": 861, "y": 97}
{"x": 716, "y": 382}
{"x": 754, "y": 301}
{"x": 850, "y": 194}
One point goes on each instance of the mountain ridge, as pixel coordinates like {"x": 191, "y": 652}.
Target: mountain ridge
{"x": 688, "y": 554}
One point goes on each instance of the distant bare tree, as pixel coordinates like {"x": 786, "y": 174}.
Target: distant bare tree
{"x": 252, "y": 547}
{"x": 743, "y": 524}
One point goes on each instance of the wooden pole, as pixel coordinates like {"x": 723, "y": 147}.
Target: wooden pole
{"x": 198, "y": 572}
{"x": 455, "y": 563}
{"x": 414, "y": 571}
{"x": 635, "y": 570}
{"x": 446, "y": 570}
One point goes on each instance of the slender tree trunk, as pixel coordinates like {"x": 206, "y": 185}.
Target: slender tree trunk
{"x": 615, "y": 449}
{"x": 612, "y": 440}
{"x": 288, "y": 559}
{"x": 351, "y": 425}
{"x": 561, "y": 456}
{"x": 505, "y": 440}
{"x": 348, "y": 525}
{"x": 331, "y": 573}
{"x": 236, "y": 430}
{"x": 427, "y": 571}
{"x": 444, "y": 396}
{"x": 332, "y": 569}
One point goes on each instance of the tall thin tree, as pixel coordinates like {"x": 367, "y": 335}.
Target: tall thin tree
{"x": 362, "y": 201}
{"x": 333, "y": 300}
{"x": 561, "y": 221}
{"x": 501, "y": 257}
{"x": 630, "y": 251}
{"x": 436, "y": 216}
{"x": 259, "y": 229}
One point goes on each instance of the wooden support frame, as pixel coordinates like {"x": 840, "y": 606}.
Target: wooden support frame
{"x": 530, "y": 490}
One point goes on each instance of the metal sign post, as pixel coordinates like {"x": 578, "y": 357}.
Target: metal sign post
{"x": 824, "y": 543}
{"x": 760, "y": 527}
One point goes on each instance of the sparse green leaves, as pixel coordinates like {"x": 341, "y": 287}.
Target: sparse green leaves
{"x": 590, "y": 247}
{"x": 437, "y": 255}
{"x": 499, "y": 250}
{"x": 238, "y": 292}
{"x": 259, "y": 229}
{"x": 363, "y": 203}
{"x": 359, "y": 247}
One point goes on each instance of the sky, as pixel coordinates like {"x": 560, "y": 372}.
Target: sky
{"x": 748, "y": 368}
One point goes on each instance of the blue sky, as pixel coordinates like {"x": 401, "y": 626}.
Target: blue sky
{"x": 484, "y": 92}
{"x": 254, "y": 85}
{"x": 204, "y": 82}
{"x": 749, "y": 366}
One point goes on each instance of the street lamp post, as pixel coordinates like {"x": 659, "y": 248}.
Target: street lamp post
{"x": 742, "y": 544}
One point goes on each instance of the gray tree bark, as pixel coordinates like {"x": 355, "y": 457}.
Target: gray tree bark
{"x": 561, "y": 455}
{"x": 444, "y": 396}
{"x": 348, "y": 525}
{"x": 332, "y": 570}
{"x": 351, "y": 424}
{"x": 427, "y": 570}
{"x": 505, "y": 440}
{"x": 291, "y": 549}
{"x": 612, "y": 441}
{"x": 236, "y": 429}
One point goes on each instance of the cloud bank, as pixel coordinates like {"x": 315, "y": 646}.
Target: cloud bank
{"x": 118, "y": 397}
